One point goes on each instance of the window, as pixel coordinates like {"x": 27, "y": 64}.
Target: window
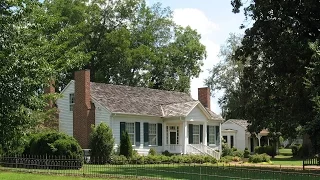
{"x": 130, "y": 130}
{"x": 225, "y": 138}
{"x": 232, "y": 141}
{"x": 196, "y": 134}
{"x": 71, "y": 101}
{"x": 152, "y": 134}
{"x": 212, "y": 135}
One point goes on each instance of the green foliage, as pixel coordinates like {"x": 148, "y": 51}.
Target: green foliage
{"x": 53, "y": 144}
{"x": 101, "y": 142}
{"x": 296, "y": 150}
{"x": 246, "y": 153}
{"x": 226, "y": 150}
{"x": 270, "y": 150}
{"x": 224, "y": 76}
{"x": 257, "y": 158}
{"x": 152, "y": 152}
{"x": 280, "y": 83}
{"x": 167, "y": 153}
{"x": 22, "y": 74}
{"x": 238, "y": 153}
{"x": 125, "y": 145}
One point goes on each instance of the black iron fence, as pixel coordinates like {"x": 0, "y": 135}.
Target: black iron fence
{"x": 312, "y": 161}
{"x": 132, "y": 169}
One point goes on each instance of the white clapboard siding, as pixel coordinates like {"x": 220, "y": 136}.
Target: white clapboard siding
{"x": 65, "y": 115}
{"x": 102, "y": 115}
{"x": 127, "y": 118}
{"x": 196, "y": 115}
{"x": 240, "y": 136}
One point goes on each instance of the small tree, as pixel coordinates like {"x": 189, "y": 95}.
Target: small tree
{"x": 101, "y": 143}
{"x": 125, "y": 145}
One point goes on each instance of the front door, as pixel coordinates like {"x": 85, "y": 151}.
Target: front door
{"x": 173, "y": 137}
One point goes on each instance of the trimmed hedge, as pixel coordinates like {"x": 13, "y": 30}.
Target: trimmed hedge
{"x": 257, "y": 158}
{"x": 270, "y": 150}
{"x": 157, "y": 159}
{"x": 53, "y": 144}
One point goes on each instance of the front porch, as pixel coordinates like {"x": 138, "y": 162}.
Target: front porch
{"x": 191, "y": 137}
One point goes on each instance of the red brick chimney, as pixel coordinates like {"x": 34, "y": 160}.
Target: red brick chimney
{"x": 83, "y": 109}
{"x": 204, "y": 96}
{"x": 49, "y": 89}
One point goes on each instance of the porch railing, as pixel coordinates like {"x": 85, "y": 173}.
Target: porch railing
{"x": 207, "y": 150}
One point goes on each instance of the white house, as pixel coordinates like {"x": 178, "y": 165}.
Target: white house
{"x": 164, "y": 120}
{"x": 234, "y": 133}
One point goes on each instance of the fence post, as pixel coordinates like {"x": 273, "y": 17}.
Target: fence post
{"x": 16, "y": 160}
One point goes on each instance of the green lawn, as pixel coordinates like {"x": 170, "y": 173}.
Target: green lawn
{"x": 285, "y": 152}
{"x": 286, "y": 160}
{"x": 29, "y": 176}
{"x": 180, "y": 171}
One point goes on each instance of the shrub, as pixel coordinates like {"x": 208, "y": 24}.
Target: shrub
{"x": 295, "y": 150}
{"x": 246, "y": 153}
{"x": 270, "y": 150}
{"x": 119, "y": 160}
{"x": 152, "y": 152}
{"x": 238, "y": 154}
{"x": 226, "y": 150}
{"x": 226, "y": 159}
{"x": 234, "y": 149}
{"x": 257, "y": 158}
{"x": 167, "y": 153}
{"x": 101, "y": 143}
{"x": 53, "y": 144}
{"x": 125, "y": 145}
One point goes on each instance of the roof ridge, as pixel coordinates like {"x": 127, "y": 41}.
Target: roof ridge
{"x": 140, "y": 87}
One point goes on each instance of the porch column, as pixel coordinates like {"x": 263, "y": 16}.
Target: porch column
{"x": 268, "y": 142}
{"x": 204, "y": 135}
{"x": 220, "y": 143}
{"x": 164, "y": 135}
{"x": 259, "y": 137}
{"x": 185, "y": 135}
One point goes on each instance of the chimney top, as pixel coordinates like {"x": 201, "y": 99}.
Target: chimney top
{"x": 204, "y": 96}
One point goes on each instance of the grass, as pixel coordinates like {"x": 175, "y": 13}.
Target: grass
{"x": 24, "y": 176}
{"x": 286, "y": 161}
{"x": 181, "y": 171}
{"x": 285, "y": 152}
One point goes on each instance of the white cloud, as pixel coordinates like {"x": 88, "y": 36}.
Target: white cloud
{"x": 196, "y": 19}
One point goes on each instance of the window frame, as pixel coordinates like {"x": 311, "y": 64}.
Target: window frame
{"x": 153, "y": 134}
{"x": 133, "y": 143}
{"x": 71, "y": 101}
{"x": 212, "y": 134}
{"x": 196, "y": 134}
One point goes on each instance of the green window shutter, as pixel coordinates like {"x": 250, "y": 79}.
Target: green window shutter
{"x": 159, "y": 134}
{"x": 218, "y": 135}
{"x": 201, "y": 133}
{"x": 146, "y": 134}
{"x": 122, "y": 128}
{"x": 208, "y": 135}
{"x": 137, "y": 131}
{"x": 190, "y": 133}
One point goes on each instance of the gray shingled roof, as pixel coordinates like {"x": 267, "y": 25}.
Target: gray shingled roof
{"x": 143, "y": 101}
{"x": 240, "y": 122}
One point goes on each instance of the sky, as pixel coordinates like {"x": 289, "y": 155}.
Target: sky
{"x": 214, "y": 20}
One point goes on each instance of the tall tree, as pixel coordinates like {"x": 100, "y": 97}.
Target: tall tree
{"x": 278, "y": 48}
{"x": 225, "y": 76}
{"x": 22, "y": 76}
{"x": 122, "y": 42}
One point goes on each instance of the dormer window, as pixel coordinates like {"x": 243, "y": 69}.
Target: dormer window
{"x": 71, "y": 101}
